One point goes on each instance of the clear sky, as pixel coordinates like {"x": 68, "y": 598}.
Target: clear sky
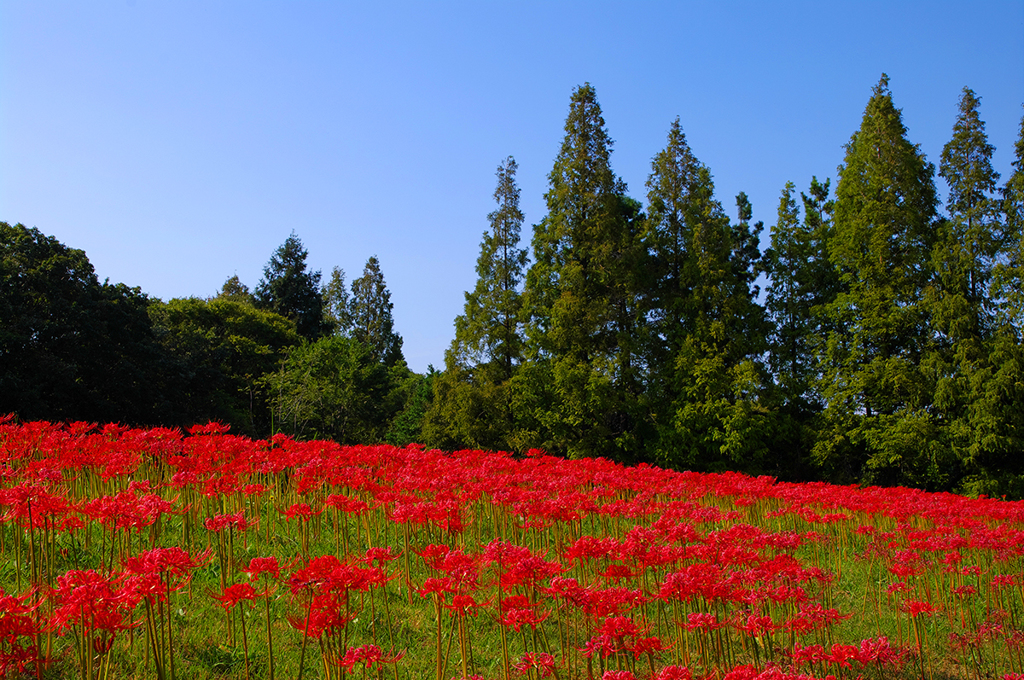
{"x": 180, "y": 142}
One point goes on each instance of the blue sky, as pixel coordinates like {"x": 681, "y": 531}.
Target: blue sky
{"x": 179, "y": 143}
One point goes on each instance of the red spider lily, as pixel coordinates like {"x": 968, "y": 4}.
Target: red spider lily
{"x": 879, "y": 651}
{"x": 674, "y": 673}
{"x": 648, "y": 645}
{"x": 236, "y": 520}
{"x": 302, "y": 511}
{"x": 91, "y": 599}
{"x": 619, "y": 627}
{"x": 367, "y": 654}
{"x": 618, "y": 675}
{"x": 233, "y": 594}
{"x": 325, "y": 615}
{"x": 542, "y": 662}
{"x": 436, "y": 586}
{"x": 515, "y": 618}
{"x": 379, "y": 556}
{"x": 917, "y": 607}
{"x": 568, "y": 590}
{"x": 433, "y": 555}
{"x": 18, "y": 631}
{"x": 352, "y": 506}
{"x": 327, "y": 573}
{"x": 174, "y": 562}
{"x": 702, "y": 621}
{"x": 602, "y": 645}
{"x": 464, "y": 605}
{"x": 263, "y": 565}
{"x": 210, "y": 428}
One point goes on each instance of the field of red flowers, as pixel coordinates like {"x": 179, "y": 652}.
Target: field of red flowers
{"x": 128, "y": 553}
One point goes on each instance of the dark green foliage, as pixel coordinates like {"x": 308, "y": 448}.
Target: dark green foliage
{"x": 803, "y": 281}
{"x": 334, "y": 388}
{"x": 473, "y": 405}
{"x": 582, "y": 294}
{"x": 993, "y": 429}
{"x": 370, "y": 314}
{"x": 236, "y": 291}
{"x": 877, "y": 395}
{"x": 72, "y": 348}
{"x": 289, "y": 290}
{"x": 221, "y": 350}
{"x": 337, "y": 309}
{"x": 706, "y": 380}
{"x": 416, "y": 393}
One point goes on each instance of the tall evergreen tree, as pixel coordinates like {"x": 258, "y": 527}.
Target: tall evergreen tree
{"x": 236, "y": 291}
{"x": 372, "y": 323}
{"x": 996, "y": 423}
{"x": 473, "y": 405}
{"x": 802, "y": 281}
{"x": 1009, "y": 272}
{"x": 961, "y": 305}
{"x": 879, "y": 427}
{"x": 582, "y": 295}
{"x": 788, "y": 301}
{"x": 289, "y": 290}
{"x": 971, "y": 238}
{"x": 337, "y": 308}
{"x": 704, "y": 379}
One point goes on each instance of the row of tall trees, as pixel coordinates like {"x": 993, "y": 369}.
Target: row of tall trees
{"x": 885, "y": 348}
{"x": 295, "y": 356}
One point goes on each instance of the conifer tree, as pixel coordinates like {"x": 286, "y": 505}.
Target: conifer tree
{"x": 337, "y": 307}
{"x": 372, "y": 323}
{"x": 996, "y": 423}
{"x": 704, "y": 377}
{"x": 879, "y": 427}
{"x": 970, "y": 239}
{"x": 1009, "y": 272}
{"x": 233, "y": 289}
{"x": 289, "y": 290}
{"x": 582, "y": 294}
{"x": 960, "y": 302}
{"x": 802, "y": 281}
{"x": 788, "y": 299}
{"x": 473, "y": 405}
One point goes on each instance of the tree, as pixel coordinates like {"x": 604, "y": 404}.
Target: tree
{"x": 583, "y": 298}
{"x": 289, "y": 290}
{"x": 337, "y": 308}
{"x": 72, "y": 348}
{"x": 971, "y": 239}
{"x": 704, "y": 380}
{"x": 802, "y": 282}
{"x": 877, "y": 394}
{"x": 1009, "y": 272}
{"x": 334, "y": 388}
{"x": 960, "y": 301}
{"x": 788, "y": 300}
{"x": 236, "y": 291}
{"x": 995, "y": 426}
{"x": 370, "y": 309}
{"x": 473, "y": 407}
{"x": 222, "y": 351}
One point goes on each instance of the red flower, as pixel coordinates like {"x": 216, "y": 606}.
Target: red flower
{"x": 263, "y": 565}
{"x": 236, "y": 593}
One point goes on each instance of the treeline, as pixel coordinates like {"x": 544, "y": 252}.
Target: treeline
{"x": 885, "y": 347}
{"x": 290, "y": 356}
{"x": 875, "y": 339}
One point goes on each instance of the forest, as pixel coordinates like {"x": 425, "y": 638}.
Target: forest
{"x": 871, "y": 336}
